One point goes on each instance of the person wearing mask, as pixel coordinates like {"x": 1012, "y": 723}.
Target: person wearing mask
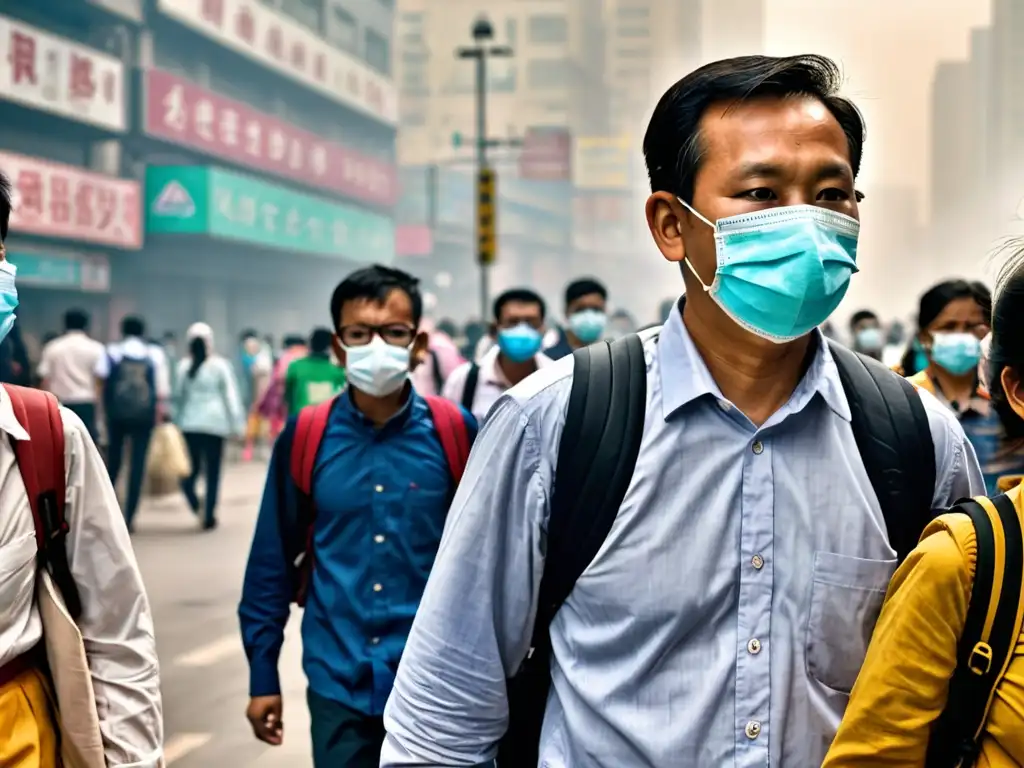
{"x": 381, "y": 485}
{"x": 314, "y": 378}
{"x": 115, "y": 621}
{"x": 208, "y": 410}
{"x": 66, "y": 368}
{"x": 586, "y": 306}
{"x": 867, "y": 335}
{"x": 953, "y": 321}
{"x": 135, "y": 386}
{"x": 728, "y": 610}
{"x": 518, "y": 330}
{"x": 904, "y": 687}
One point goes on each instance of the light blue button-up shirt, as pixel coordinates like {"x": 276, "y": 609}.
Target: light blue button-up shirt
{"x": 725, "y": 618}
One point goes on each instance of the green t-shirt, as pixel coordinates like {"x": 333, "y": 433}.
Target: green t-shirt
{"x": 311, "y": 380}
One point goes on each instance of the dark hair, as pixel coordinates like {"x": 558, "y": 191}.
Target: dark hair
{"x": 584, "y": 287}
{"x": 198, "y": 352}
{"x": 133, "y": 325}
{"x": 76, "y": 320}
{"x": 933, "y": 301}
{"x": 376, "y": 283}
{"x": 5, "y": 205}
{"x": 294, "y": 340}
{"x": 248, "y": 333}
{"x": 672, "y": 145}
{"x": 1007, "y": 344}
{"x": 983, "y": 296}
{"x": 862, "y": 315}
{"x": 524, "y": 295}
{"x": 320, "y": 341}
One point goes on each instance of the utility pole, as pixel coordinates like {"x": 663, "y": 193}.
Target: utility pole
{"x": 486, "y": 250}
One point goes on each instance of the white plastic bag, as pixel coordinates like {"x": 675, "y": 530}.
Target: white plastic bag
{"x": 167, "y": 462}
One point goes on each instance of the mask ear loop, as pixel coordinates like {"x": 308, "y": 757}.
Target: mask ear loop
{"x": 686, "y": 260}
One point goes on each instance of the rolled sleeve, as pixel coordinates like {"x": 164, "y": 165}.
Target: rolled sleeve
{"x": 472, "y": 631}
{"x": 116, "y": 621}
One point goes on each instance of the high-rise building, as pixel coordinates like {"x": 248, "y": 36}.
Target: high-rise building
{"x": 1007, "y": 114}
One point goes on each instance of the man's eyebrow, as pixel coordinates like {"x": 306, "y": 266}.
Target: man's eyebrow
{"x": 834, "y": 171}
{"x": 761, "y": 169}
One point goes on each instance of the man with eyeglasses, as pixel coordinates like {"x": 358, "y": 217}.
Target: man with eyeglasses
{"x": 376, "y": 482}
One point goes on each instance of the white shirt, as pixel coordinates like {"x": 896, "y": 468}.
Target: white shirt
{"x": 135, "y": 348}
{"x": 116, "y": 622}
{"x": 491, "y": 383}
{"x": 68, "y": 364}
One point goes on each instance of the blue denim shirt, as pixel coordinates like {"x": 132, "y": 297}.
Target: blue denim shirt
{"x": 381, "y": 496}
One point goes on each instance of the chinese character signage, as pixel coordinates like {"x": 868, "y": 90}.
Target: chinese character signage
{"x": 62, "y": 201}
{"x": 76, "y": 272}
{"x": 181, "y": 112}
{"x": 46, "y": 72}
{"x": 274, "y": 40}
{"x": 212, "y": 201}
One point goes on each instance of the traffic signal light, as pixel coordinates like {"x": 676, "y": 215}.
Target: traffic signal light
{"x": 486, "y": 214}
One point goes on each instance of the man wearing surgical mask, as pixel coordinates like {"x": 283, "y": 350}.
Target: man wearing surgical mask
{"x": 380, "y": 486}
{"x": 518, "y": 331}
{"x": 866, "y": 333}
{"x": 725, "y": 617}
{"x": 586, "y": 307}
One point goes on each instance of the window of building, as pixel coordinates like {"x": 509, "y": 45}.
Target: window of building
{"x": 547, "y": 74}
{"x": 548, "y": 28}
{"x": 306, "y": 12}
{"x": 415, "y": 82}
{"x": 633, "y": 53}
{"x": 342, "y": 30}
{"x": 633, "y": 12}
{"x": 511, "y": 31}
{"x": 378, "y": 52}
{"x": 634, "y": 31}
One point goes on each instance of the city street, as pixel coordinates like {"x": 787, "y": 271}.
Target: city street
{"x": 194, "y": 581}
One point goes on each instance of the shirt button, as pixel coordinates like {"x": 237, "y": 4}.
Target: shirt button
{"x": 753, "y": 729}
{"x": 375, "y": 640}
{"x": 757, "y": 561}
{"x": 757, "y": 448}
{"x": 380, "y": 488}
{"x": 378, "y": 587}
{"x": 379, "y": 538}
{"x": 754, "y": 646}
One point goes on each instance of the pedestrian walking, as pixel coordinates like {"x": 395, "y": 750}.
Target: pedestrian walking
{"x": 67, "y": 367}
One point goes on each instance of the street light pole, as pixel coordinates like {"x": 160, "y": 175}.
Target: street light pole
{"x": 482, "y": 32}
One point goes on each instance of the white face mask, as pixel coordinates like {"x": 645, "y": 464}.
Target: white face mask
{"x": 378, "y": 368}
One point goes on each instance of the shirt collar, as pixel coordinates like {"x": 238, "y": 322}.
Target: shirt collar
{"x": 411, "y": 405}
{"x": 685, "y": 376}
{"x": 8, "y": 421}
{"x": 492, "y": 373}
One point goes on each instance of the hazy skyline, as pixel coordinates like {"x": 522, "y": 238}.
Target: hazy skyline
{"x": 888, "y": 50}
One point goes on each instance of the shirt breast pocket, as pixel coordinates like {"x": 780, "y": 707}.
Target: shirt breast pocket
{"x": 424, "y": 510}
{"x": 846, "y": 598}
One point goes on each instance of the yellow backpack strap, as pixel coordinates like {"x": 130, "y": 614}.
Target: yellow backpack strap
{"x": 990, "y": 634}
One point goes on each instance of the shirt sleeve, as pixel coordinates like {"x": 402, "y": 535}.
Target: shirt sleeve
{"x": 161, "y": 373}
{"x": 904, "y": 683}
{"x": 232, "y": 399}
{"x": 45, "y": 362}
{"x": 472, "y": 631}
{"x": 455, "y": 384}
{"x": 266, "y": 593}
{"x": 957, "y": 471}
{"x": 102, "y": 369}
{"x": 116, "y": 621}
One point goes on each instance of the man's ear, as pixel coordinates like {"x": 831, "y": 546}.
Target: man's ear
{"x": 666, "y": 225}
{"x": 419, "y": 350}
{"x": 339, "y": 350}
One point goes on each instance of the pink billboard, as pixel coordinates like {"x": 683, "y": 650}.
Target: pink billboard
{"x": 181, "y": 112}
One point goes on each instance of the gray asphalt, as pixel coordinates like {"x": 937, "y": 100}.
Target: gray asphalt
{"x": 194, "y": 580}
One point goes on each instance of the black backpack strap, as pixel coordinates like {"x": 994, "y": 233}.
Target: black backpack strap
{"x": 891, "y": 428}
{"x": 435, "y": 364}
{"x": 469, "y": 388}
{"x": 986, "y": 644}
{"x": 596, "y": 457}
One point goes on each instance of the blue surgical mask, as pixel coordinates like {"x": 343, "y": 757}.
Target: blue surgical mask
{"x": 782, "y": 271}
{"x": 869, "y": 340}
{"x": 378, "y": 368}
{"x": 588, "y": 324}
{"x": 958, "y": 353}
{"x": 8, "y": 298}
{"x": 520, "y": 343}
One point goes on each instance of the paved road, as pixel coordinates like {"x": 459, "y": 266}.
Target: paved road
{"x": 194, "y": 580}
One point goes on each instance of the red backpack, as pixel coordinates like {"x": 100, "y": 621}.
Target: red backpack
{"x": 309, "y": 433}
{"x": 41, "y": 463}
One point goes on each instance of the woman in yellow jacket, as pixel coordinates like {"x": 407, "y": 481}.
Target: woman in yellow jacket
{"x": 903, "y": 685}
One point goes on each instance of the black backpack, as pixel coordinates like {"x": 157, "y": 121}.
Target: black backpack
{"x": 598, "y": 451}
{"x": 130, "y": 392}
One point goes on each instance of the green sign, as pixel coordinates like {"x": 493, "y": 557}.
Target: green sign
{"x": 83, "y": 274}
{"x": 212, "y": 201}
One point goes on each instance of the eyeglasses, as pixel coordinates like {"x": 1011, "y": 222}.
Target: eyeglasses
{"x": 395, "y": 334}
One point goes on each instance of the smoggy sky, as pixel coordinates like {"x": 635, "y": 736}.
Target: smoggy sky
{"x": 888, "y": 50}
